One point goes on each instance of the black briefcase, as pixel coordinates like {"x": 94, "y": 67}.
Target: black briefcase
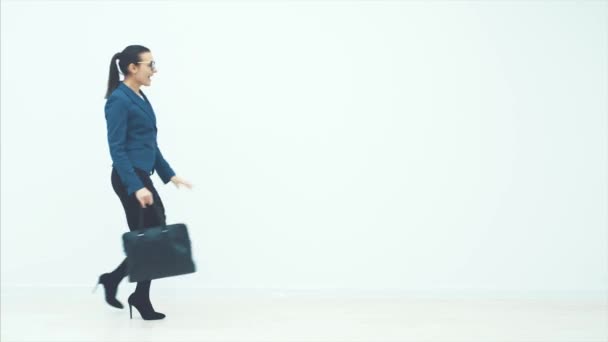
{"x": 157, "y": 252}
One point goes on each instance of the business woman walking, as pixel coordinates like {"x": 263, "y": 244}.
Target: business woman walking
{"x": 132, "y": 132}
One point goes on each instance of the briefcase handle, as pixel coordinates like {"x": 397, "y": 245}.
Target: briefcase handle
{"x": 159, "y": 215}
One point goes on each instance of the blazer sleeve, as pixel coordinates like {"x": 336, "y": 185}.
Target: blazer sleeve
{"x": 164, "y": 170}
{"x": 116, "y": 112}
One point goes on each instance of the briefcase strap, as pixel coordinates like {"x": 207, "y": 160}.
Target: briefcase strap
{"x": 159, "y": 215}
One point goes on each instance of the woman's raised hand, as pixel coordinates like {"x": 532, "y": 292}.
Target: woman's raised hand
{"x": 180, "y": 181}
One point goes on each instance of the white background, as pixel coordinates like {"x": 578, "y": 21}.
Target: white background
{"x": 343, "y": 145}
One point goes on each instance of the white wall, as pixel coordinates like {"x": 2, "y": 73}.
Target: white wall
{"x": 343, "y": 145}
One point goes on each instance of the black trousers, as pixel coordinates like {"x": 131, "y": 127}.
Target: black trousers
{"x": 132, "y": 210}
{"x": 131, "y": 204}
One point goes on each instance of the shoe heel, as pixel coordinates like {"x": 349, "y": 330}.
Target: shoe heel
{"x": 95, "y": 288}
{"x": 130, "y": 311}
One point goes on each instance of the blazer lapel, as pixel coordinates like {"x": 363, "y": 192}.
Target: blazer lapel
{"x": 143, "y": 104}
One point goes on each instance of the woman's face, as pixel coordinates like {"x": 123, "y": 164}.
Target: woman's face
{"x": 143, "y": 71}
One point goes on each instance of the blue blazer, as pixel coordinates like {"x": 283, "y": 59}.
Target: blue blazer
{"x": 132, "y": 134}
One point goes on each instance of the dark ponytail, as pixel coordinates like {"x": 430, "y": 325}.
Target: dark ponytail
{"x": 129, "y": 55}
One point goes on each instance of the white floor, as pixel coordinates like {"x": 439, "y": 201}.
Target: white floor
{"x": 75, "y": 314}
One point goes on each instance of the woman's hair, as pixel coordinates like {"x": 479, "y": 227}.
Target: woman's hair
{"x": 129, "y": 55}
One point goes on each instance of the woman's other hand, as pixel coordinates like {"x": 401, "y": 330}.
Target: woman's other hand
{"x": 144, "y": 196}
{"x": 180, "y": 181}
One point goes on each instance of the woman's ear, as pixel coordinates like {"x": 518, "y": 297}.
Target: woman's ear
{"x": 132, "y": 68}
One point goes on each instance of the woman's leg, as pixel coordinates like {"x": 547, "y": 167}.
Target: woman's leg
{"x": 141, "y": 297}
{"x": 111, "y": 280}
{"x": 151, "y": 219}
{"x": 121, "y": 270}
{"x": 133, "y": 209}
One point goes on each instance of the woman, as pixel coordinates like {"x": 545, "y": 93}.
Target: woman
{"x": 131, "y": 126}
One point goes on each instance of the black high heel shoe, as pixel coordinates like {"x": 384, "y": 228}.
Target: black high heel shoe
{"x": 144, "y": 307}
{"x": 110, "y": 286}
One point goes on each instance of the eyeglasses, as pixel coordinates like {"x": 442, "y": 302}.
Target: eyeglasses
{"x": 151, "y": 64}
